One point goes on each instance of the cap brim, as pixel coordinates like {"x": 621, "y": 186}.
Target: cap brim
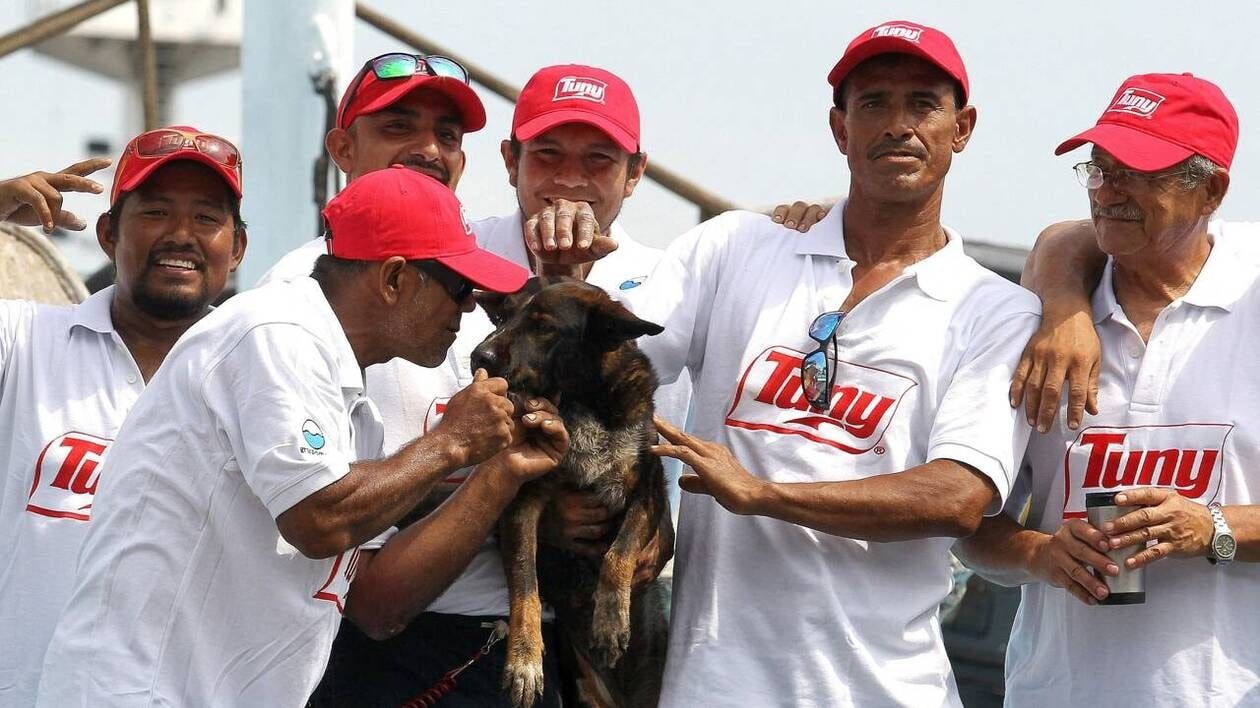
{"x": 885, "y": 45}
{"x": 472, "y": 113}
{"x": 1132, "y": 148}
{"x": 487, "y": 271}
{"x": 534, "y": 127}
{"x": 138, "y": 178}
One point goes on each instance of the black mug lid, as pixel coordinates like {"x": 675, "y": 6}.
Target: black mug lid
{"x": 1093, "y": 499}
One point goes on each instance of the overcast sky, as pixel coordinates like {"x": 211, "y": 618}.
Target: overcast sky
{"x": 733, "y": 93}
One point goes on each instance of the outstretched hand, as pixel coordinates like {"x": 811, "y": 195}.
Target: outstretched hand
{"x": 566, "y": 233}
{"x": 716, "y": 472}
{"x": 36, "y": 199}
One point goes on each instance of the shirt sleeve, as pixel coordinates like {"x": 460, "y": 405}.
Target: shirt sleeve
{"x": 277, "y": 399}
{"x": 15, "y": 317}
{"x": 679, "y": 296}
{"x": 975, "y": 423}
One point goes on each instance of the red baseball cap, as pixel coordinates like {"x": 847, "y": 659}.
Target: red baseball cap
{"x": 150, "y": 150}
{"x": 371, "y": 94}
{"x": 1157, "y": 120}
{"x": 400, "y": 212}
{"x": 573, "y": 93}
{"x": 903, "y": 37}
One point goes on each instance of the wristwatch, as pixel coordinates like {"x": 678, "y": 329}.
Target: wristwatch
{"x": 1223, "y": 544}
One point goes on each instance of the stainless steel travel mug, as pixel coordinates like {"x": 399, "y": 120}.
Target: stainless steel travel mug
{"x": 1129, "y": 587}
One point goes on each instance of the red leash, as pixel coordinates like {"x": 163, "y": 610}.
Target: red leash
{"x": 446, "y": 684}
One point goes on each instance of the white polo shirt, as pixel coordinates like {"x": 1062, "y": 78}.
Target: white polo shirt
{"x": 412, "y": 398}
{"x": 769, "y": 613}
{"x": 186, "y": 594}
{"x": 67, "y": 381}
{"x": 1179, "y": 411}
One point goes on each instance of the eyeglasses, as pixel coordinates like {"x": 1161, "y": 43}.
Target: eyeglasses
{"x": 165, "y": 141}
{"x": 1091, "y": 175}
{"x": 817, "y": 374}
{"x": 455, "y": 285}
{"x": 398, "y": 65}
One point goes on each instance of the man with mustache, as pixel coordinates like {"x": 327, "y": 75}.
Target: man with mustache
{"x": 1173, "y": 427}
{"x": 247, "y": 487}
{"x": 853, "y": 383}
{"x": 70, "y": 375}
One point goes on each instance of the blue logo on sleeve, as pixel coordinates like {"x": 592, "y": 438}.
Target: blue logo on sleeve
{"x": 633, "y": 283}
{"x": 313, "y": 434}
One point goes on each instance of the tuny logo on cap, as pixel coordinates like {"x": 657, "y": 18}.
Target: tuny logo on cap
{"x": 1136, "y": 102}
{"x": 910, "y": 34}
{"x": 580, "y": 87}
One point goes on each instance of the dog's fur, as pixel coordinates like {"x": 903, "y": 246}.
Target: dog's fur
{"x": 567, "y": 341}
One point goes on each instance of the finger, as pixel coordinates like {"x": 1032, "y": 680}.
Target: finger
{"x": 693, "y": 484}
{"x": 1145, "y": 557}
{"x": 1133, "y": 521}
{"x": 1020, "y": 378}
{"x": 32, "y": 197}
{"x": 589, "y": 500}
{"x": 70, "y": 221}
{"x": 1078, "y": 395}
{"x": 1082, "y": 531}
{"x": 1032, "y": 391}
{"x": 566, "y": 213}
{"x": 1083, "y": 553}
{"x": 685, "y": 454}
{"x": 74, "y": 183}
{"x": 1080, "y": 592}
{"x": 88, "y": 166}
{"x": 586, "y": 515}
{"x": 602, "y": 246}
{"x": 532, "y": 239}
{"x": 1051, "y": 394}
{"x": 540, "y": 404}
{"x": 668, "y": 431}
{"x": 1143, "y": 496}
{"x": 480, "y": 375}
{"x": 1141, "y": 536}
{"x": 585, "y": 225}
{"x": 1091, "y": 401}
{"x": 591, "y": 549}
{"x": 547, "y": 228}
{"x": 794, "y": 214}
{"x": 495, "y": 384}
{"x": 1088, "y": 583}
{"x": 815, "y": 214}
{"x": 779, "y": 212}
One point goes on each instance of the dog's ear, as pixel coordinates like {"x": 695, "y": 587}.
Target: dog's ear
{"x": 495, "y": 305}
{"x": 610, "y": 324}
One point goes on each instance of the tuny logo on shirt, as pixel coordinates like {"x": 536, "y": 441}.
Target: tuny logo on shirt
{"x": 580, "y": 88}
{"x": 65, "y": 476}
{"x": 339, "y": 578}
{"x": 1136, "y": 102}
{"x": 314, "y": 437}
{"x": 910, "y": 34}
{"x": 1187, "y": 458}
{"x": 863, "y": 402}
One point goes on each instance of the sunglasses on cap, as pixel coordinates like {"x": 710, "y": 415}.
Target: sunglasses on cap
{"x": 400, "y": 65}
{"x": 455, "y": 285}
{"x": 817, "y": 374}
{"x": 164, "y": 141}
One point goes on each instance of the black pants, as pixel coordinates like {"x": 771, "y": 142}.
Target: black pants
{"x": 365, "y": 672}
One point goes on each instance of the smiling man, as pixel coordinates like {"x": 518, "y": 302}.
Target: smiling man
{"x": 853, "y": 381}
{"x": 70, "y": 375}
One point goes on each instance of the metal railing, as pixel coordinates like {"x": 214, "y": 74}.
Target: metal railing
{"x": 57, "y": 23}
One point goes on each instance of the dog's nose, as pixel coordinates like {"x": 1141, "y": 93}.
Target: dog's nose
{"x": 486, "y": 357}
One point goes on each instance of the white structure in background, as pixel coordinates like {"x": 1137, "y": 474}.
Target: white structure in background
{"x": 287, "y": 47}
{"x": 193, "y": 39}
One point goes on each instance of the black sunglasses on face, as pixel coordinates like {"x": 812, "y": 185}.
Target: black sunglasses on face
{"x": 455, "y": 285}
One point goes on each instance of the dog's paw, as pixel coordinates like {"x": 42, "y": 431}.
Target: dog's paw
{"x": 523, "y": 680}
{"x": 610, "y": 630}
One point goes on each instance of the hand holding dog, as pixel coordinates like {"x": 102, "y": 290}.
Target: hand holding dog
{"x": 477, "y": 423}
{"x": 35, "y": 199}
{"x": 539, "y": 442}
{"x": 717, "y": 472}
{"x": 567, "y": 233}
{"x": 578, "y": 522}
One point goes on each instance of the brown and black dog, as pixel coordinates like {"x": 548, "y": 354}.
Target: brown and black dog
{"x": 568, "y": 342}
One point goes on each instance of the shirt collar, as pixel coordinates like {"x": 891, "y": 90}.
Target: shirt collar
{"x": 938, "y": 275}
{"x": 93, "y": 313}
{"x": 1224, "y": 278}
{"x": 349, "y": 374}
